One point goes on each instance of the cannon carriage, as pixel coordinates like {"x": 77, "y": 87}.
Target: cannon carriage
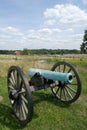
{"x": 63, "y": 79}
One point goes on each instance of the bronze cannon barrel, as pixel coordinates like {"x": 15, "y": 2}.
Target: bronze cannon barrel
{"x": 53, "y": 75}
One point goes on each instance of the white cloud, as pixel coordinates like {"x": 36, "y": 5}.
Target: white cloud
{"x": 69, "y": 30}
{"x": 45, "y": 31}
{"x": 66, "y": 14}
{"x": 50, "y": 22}
{"x": 11, "y": 30}
{"x": 42, "y": 38}
{"x": 57, "y": 32}
{"x": 51, "y": 38}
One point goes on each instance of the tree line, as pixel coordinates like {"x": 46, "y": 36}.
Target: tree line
{"x": 7, "y": 52}
{"x": 40, "y": 51}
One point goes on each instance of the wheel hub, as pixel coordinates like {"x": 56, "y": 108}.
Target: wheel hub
{"x": 13, "y": 95}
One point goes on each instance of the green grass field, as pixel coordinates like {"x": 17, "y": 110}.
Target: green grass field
{"x": 49, "y": 113}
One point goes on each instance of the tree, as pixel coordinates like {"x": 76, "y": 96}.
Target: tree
{"x": 83, "y": 46}
{"x": 25, "y": 51}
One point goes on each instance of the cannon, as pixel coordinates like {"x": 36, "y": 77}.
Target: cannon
{"x": 62, "y": 79}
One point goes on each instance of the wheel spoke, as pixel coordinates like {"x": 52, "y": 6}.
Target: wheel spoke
{"x": 64, "y": 95}
{"x": 69, "y": 70}
{"x": 23, "y": 112}
{"x": 75, "y": 84}
{"x": 60, "y": 93}
{"x": 18, "y": 110}
{"x": 74, "y": 91}
{"x": 24, "y": 99}
{"x": 64, "y": 68}
{"x": 11, "y": 87}
{"x": 11, "y": 81}
{"x": 13, "y": 78}
{"x": 59, "y": 68}
{"x": 25, "y": 107}
{"x": 57, "y": 90}
{"x": 18, "y": 80}
{"x": 69, "y": 94}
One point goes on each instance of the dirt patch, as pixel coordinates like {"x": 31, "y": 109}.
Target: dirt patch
{"x": 1, "y": 98}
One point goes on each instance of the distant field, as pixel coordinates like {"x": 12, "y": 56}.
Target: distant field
{"x": 49, "y": 114}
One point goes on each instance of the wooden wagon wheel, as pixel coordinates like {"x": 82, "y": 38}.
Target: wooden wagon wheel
{"x": 20, "y": 94}
{"x": 67, "y": 92}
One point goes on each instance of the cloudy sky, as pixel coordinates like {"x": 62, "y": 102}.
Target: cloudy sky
{"x": 35, "y": 24}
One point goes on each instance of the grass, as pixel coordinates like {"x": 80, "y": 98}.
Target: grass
{"x": 49, "y": 113}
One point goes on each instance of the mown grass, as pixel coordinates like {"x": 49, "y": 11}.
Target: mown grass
{"x": 49, "y": 113}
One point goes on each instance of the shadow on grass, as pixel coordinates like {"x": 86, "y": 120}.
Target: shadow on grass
{"x": 41, "y": 96}
{"x": 7, "y": 118}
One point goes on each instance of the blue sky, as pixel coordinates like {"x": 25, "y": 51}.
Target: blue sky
{"x": 36, "y": 24}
